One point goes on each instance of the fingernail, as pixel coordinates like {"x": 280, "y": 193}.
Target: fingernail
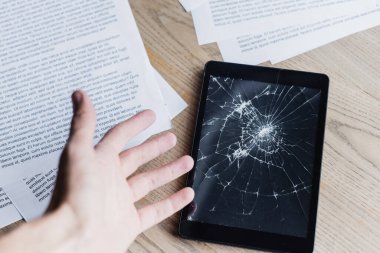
{"x": 77, "y": 98}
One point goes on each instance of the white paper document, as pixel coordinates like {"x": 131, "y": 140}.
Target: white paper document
{"x": 8, "y": 212}
{"x": 323, "y": 35}
{"x": 65, "y": 47}
{"x": 58, "y": 47}
{"x": 32, "y": 203}
{"x": 218, "y": 20}
{"x": 32, "y": 195}
{"x": 172, "y": 100}
{"x": 190, "y": 5}
{"x": 281, "y": 44}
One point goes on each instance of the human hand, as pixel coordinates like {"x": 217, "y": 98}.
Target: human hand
{"x": 92, "y": 209}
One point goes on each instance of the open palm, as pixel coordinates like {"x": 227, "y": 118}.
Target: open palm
{"x": 94, "y": 186}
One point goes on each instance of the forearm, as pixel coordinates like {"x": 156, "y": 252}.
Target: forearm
{"x": 55, "y": 232}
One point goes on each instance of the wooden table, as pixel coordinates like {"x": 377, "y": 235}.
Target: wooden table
{"x": 349, "y": 205}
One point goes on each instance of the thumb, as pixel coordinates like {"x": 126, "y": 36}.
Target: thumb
{"x": 83, "y": 122}
{"x": 81, "y": 135}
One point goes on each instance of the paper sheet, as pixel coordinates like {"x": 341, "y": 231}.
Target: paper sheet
{"x": 322, "y": 36}
{"x": 8, "y": 212}
{"x": 169, "y": 102}
{"x": 31, "y": 196}
{"x": 220, "y": 20}
{"x": 101, "y": 56}
{"x": 172, "y": 100}
{"x": 281, "y": 44}
{"x": 190, "y": 5}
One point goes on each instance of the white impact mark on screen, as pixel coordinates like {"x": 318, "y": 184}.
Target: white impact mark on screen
{"x": 248, "y": 131}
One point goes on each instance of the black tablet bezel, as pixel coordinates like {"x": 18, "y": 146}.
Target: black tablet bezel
{"x": 244, "y": 237}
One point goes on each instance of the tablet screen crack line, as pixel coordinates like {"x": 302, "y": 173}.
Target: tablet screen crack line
{"x": 256, "y": 146}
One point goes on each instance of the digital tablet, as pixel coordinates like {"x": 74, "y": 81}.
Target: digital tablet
{"x": 258, "y": 151}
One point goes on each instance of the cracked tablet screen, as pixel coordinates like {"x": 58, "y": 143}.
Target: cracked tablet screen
{"x": 254, "y": 167}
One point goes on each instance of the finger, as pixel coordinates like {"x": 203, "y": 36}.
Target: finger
{"x": 133, "y": 158}
{"x": 83, "y": 122}
{"x": 143, "y": 183}
{"x": 118, "y": 136}
{"x": 155, "y": 213}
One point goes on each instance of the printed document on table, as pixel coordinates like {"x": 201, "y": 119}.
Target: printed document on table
{"x": 8, "y": 212}
{"x": 339, "y": 29}
{"x": 219, "y": 20}
{"x": 281, "y": 44}
{"x": 173, "y": 102}
{"x": 190, "y": 5}
{"x": 32, "y": 195}
{"x": 65, "y": 47}
{"x": 33, "y": 205}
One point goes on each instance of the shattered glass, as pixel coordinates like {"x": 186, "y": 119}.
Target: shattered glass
{"x": 254, "y": 167}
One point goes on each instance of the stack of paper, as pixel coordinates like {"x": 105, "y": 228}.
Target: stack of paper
{"x": 190, "y": 5}
{"x": 47, "y": 52}
{"x": 255, "y": 31}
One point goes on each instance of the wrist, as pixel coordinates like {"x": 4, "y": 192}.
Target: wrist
{"x": 58, "y": 231}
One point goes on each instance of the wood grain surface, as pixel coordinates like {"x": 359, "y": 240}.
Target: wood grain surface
{"x": 349, "y": 204}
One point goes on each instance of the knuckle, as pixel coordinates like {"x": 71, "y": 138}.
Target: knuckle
{"x": 157, "y": 214}
{"x": 139, "y": 157}
{"x": 80, "y": 114}
{"x": 158, "y": 143}
{"x": 89, "y": 115}
{"x": 135, "y": 194}
{"x": 171, "y": 207}
{"x": 172, "y": 172}
{"x": 152, "y": 183}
